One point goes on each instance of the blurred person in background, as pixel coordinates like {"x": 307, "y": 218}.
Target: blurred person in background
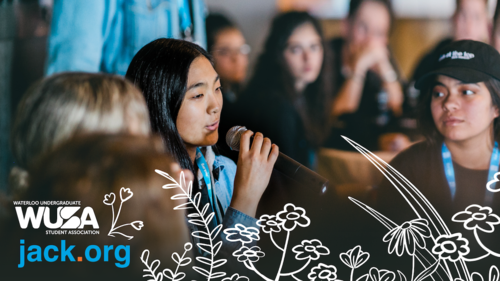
{"x": 63, "y": 105}
{"x": 183, "y": 94}
{"x": 470, "y": 21}
{"x": 85, "y": 168}
{"x": 229, "y": 50}
{"x": 288, "y": 97}
{"x": 103, "y": 36}
{"x": 369, "y": 96}
{"x": 495, "y": 39}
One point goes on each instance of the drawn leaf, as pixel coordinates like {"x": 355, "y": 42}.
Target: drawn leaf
{"x": 179, "y": 276}
{"x": 201, "y": 271}
{"x": 494, "y": 274}
{"x": 176, "y": 258}
{"x": 217, "y": 247}
{"x": 197, "y": 222}
{"x": 197, "y": 198}
{"x": 179, "y": 196}
{"x": 219, "y": 263}
{"x": 428, "y": 271}
{"x": 363, "y": 277}
{"x": 402, "y": 277}
{"x": 183, "y": 206}
{"x": 166, "y": 175}
{"x": 200, "y": 234}
{"x": 205, "y": 247}
{"x": 145, "y": 256}
{"x": 210, "y": 217}
{"x": 216, "y": 231}
{"x": 204, "y": 260}
{"x": 154, "y": 266}
{"x": 194, "y": 215}
{"x": 185, "y": 262}
{"x": 190, "y": 189}
{"x": 168, "y": 273}
{"x": 170, "y": 186}
{"x": 205, "y": 208}
{"x": 218, "y": 275}
{"x": 159, "y": 277}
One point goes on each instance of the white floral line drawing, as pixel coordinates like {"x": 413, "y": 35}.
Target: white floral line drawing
{"x": 199, "y": 218}
{"x": 286, "y": 220}
{"x": 109, "y": 199}
{"x": 436, "y": 263}
{"x": 150, "y": 270}
{"x": 478, "y": 218}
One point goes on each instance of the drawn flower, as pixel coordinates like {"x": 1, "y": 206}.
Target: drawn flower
{"x": 323, "y": 272}
{"x": 188, "y": 246}
{"x": 451, "y": 247}
{"x": 242, "y": 234}
{"x": 354, "y": 258}
{"x": 407, "y": 236}
{"x": 251, "y": 254}
{"x": 293, "y": 216}
{"x": 381, "y": 274}
{"x": 236, "y": 277}
{"x": 269, "y": 223}
{"x": 310, "y": 249}
{"x": 125, "y": 194}
{"x": 109, "y": 199}
{"x": 137, "y": 225}
{"x": 477, "y": 217}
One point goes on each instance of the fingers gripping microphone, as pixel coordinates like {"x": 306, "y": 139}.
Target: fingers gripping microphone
{"x": 284, "y": 164}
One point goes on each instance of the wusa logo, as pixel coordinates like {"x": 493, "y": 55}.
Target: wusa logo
{"x": 68, "y": 220}
{"x": 66, "y": 217}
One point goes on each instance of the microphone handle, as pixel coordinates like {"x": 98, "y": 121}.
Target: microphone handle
{"x": 300, "y": 173}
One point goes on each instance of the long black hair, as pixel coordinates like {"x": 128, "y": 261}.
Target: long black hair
{"x": 271, "y": 73}
{"x": 160, "y": 69}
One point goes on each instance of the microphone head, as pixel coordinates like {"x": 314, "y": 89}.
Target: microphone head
{"x": 233, "y": 137}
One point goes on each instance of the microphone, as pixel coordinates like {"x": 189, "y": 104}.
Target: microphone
{"x": 284, "y": 164}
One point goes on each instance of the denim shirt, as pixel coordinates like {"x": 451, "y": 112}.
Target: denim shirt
{"x": 223, "y": 174}
{"x": 104, "y": 35}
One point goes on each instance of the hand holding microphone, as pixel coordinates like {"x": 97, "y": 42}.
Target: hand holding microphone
{"x": 255, "y": 165}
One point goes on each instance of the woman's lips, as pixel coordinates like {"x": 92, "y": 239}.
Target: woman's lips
{"x": 452, "y": 121}
{"x": 213, "y": 126}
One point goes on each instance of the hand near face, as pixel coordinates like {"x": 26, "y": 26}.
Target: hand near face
{"x": 373, "y": 56}
{"x": 255, "y": 165}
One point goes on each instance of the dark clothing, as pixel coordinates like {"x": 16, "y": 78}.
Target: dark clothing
{"x": 371, "y": 120}
{"x": 422, "y": 165}
{"x": 277, "y": 118}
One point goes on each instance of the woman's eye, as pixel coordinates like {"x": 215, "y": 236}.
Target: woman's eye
{"x": 198, "y": 96}
{"x": 295, "y": 50}
{"x": 468, "y": 92}
{"x": 438, "y": 94}
{"x": 219, "y": 89}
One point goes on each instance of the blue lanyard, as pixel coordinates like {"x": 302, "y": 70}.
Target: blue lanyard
{"x": 184, "y": 14}
{"x": 205, "y": 172}
{"x": 450, "y": 172}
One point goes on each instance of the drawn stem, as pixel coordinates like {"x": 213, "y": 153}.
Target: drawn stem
{"x": 298, "y": 270}
{"x": 120, "y": 226}
{"x": 296, "y": 278}
{"x": 180, "y": 260}
{"x": 275, "y": 244}
{"x": 483, "y": 246}
{"x": 283, "y": 257}
{"x": 412, "y": 267}
{"x": 478, "y": 258}
{"x": 352, "y": 273}
{"x": 252, "y": 268}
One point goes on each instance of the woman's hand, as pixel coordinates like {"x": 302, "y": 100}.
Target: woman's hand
{"x": 253, "y": 172}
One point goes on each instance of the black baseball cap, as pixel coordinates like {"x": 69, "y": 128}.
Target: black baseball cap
{"x": 466, "y": 60}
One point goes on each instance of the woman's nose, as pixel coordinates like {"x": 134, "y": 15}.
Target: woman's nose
{"x": 451, "y": 103}
{"x": 214, "y": 103}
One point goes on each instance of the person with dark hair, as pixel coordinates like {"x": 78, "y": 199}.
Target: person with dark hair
{"x": 459, "y": 118}
{"x": 368, "y": 96}
{"x": 228, "y": 47}
{"x": 183, "y": 94}
{"x": 288, "y": 96}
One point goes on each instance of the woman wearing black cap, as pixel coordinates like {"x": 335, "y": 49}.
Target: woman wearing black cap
{"x": 459, "y": 117}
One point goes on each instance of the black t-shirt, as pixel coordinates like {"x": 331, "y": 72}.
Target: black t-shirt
{"x": 370, "y": 120}
{"x": 422, "y": 165}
